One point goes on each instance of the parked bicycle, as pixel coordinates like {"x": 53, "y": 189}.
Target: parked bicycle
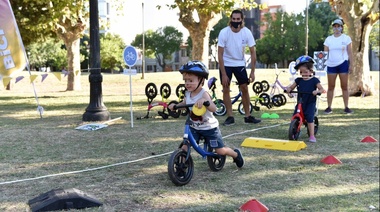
{"x": 151, "y": 93}
{"x": 181, "y": 165}
{"x": 276, "y": 98}
{"x": 221, "y": 107}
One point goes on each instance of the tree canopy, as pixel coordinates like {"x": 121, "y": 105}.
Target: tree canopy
{"x": 161, "y": 43}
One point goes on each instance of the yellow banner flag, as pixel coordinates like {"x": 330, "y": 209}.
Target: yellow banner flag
{"x": 33, "y": 77}
{"x": 58, "y": 75}
{"x": 12, "y": 54}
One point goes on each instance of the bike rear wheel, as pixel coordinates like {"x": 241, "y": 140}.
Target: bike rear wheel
{"x": 215, "y": 163}
{"x": 241, "y": 108}
{"x": 294, "y": 133}
{"x": 221, "y": 109}
{"x": 180, "y": 170}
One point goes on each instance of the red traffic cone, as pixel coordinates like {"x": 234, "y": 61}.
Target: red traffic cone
{"x": 368, "y": 139}
{"x": 254, "y": 206}
{"x": 331, "y": 160}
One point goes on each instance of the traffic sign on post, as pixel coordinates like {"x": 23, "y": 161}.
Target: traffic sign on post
{"x": 130, "y": 56}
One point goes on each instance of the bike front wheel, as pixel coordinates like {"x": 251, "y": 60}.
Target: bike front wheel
{"x": 180, "y": 170}
{"x": 221, "y": 109}
{"x": 241, "y": 108}
{"x": 294, "y": 131}
{"x": 215, "y": 163}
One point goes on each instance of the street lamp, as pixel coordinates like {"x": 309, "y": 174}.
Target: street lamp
{"x": 96, "y": 110}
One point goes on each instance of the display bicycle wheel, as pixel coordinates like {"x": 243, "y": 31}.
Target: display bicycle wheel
{"x": 165, "y": 90}
{"x": 151, "y": 90}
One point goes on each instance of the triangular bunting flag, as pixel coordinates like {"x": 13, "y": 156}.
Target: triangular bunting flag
{"x": 44, "y": 77}
{"x": 19, "y": 78}
{"x": 76, "y": 72}
{"x": 58, "y": 75}
{"x": 33, "y": 77}
{"x": 6, "y": 81}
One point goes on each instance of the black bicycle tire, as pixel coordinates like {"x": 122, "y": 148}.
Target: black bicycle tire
{"x": 265, "y": 85}
{"x": 264, "y": 99}
{"x": 174, "y": 113}
{"x": 257, "y": 87}
{"x": 221, "y": 109}
{"x": 180, "y": 89}
{"x": 165, "y": 90}
{"x": 277, "y": 100}
{"x": 293, "y": 130}
{"x": 284, "y": 100}
{"x": 215, "y": 164}
{"x": 177, "y": 168}
{"x": 151, "y": 90}
{"x": 241, "y": 108}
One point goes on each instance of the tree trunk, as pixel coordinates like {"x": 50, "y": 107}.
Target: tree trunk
{"x": 73, "y": 59}
{"x": 199, "y": 32}
{"x": 358, "y": 20}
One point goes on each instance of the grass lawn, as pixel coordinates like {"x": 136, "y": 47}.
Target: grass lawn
{"x": 125, "y": 167}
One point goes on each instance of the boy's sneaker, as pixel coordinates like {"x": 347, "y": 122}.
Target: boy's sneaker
{"x": 347, "y": 110}
{"x": 251, "y": 119}
{"x": 312, "y": 139}
{"x": 239, "y": 160}
{"x": 229, "y": 121}
{"x": 328, "y": 110}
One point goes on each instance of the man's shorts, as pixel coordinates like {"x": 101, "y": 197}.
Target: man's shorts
{"x": 239, "y": 72}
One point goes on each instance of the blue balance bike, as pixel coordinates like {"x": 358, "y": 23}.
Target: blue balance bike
{"x": 181, "y": 165}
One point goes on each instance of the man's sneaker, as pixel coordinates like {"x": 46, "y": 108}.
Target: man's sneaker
{"x": 328, "y": 110}
{"x": 251, "y": 119}
{"x": 347, "y": 110}
{"x": 312, "y": 139}
{"x": 229, "y": 121}
{"x": 239, "y": 160}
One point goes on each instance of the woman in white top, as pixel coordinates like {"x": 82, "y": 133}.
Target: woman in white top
{"x": 339, "y": 63}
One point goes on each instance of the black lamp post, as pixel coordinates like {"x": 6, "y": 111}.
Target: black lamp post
{"x": 96, "y": 110}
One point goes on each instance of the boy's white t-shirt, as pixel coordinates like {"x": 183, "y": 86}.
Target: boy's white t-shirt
{"x": 229, "y": 40}
{"x": 207, "y": 121}
{"x": 337, "y": 49}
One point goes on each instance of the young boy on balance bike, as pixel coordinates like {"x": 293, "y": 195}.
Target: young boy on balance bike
{"x": 194, "y": 74}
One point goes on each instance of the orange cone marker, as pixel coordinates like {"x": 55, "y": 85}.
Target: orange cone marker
{"x": 331, "y": 160}
{"x": 254, "y": 206}
{"x": 368, "y": 139}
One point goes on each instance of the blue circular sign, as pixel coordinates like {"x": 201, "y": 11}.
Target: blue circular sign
{"x": 130, "y": 56}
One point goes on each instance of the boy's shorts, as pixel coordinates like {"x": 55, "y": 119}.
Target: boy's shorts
{"x": 239, "y": 72}
{"x": 213, "y": 136}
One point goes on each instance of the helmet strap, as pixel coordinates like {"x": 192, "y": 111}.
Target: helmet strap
{"x": 200, "y": 81}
